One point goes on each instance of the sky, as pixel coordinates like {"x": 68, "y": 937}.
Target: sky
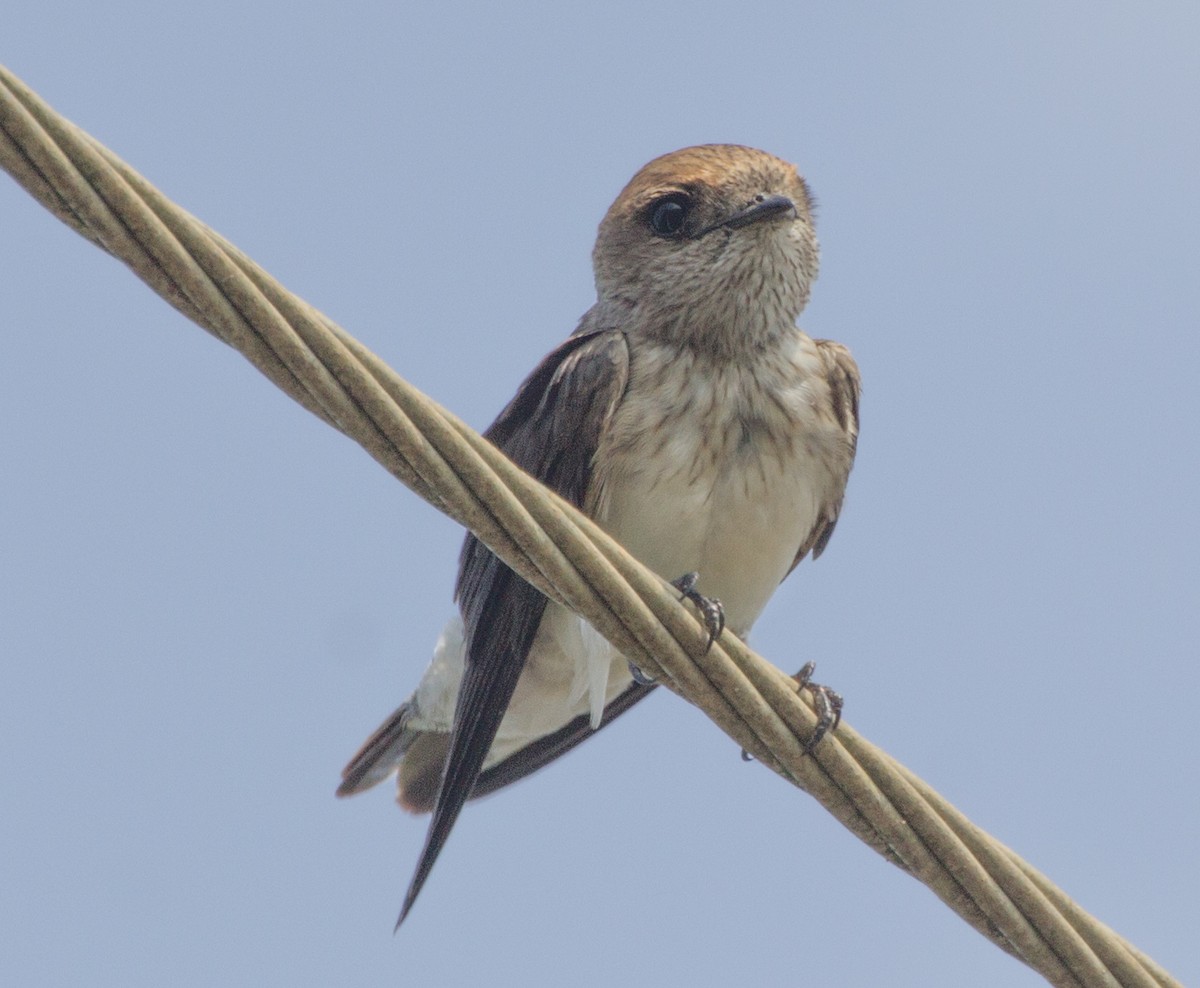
{"x": 208, "y": 598}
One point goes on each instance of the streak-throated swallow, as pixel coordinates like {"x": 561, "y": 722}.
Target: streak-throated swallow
{"x": 692, "y": 419}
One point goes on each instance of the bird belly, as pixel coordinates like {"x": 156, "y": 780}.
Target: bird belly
{"x": 737, "y": 521}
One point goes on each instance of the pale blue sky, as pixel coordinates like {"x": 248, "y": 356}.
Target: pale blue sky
{"x": 207, "y": 598}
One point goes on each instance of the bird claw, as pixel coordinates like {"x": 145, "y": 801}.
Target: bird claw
{"x": 711, "y": 610}
{"x": 828, "y": 704}
{"x": 711, "y": 613}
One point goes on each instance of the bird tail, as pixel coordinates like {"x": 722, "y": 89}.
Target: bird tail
{"x": 381, "y": 754}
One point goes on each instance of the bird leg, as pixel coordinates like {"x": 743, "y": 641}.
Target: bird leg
{"x": 711, "y": 611}
{"x": 828, "y": 704}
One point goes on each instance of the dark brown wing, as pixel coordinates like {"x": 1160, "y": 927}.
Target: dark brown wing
{"x": 544, "y": 750}
{"x": 845, "y": 387}
{"x": 550, "y": 429}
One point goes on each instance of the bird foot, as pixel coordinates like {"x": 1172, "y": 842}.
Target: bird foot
{"x": 711, "y": 611}
{"x": 640, "y": 677}
{"x": 828, "y": 704}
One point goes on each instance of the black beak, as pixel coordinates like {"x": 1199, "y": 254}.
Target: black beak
{"x": 763, "y": 208}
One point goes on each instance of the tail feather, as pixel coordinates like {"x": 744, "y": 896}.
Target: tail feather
{"x": 380, "y": 754}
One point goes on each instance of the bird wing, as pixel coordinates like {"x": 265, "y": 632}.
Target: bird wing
{"x": 844, "y": 387}
{"x": 543, "y": 751}
{"x": 551, "y": 429}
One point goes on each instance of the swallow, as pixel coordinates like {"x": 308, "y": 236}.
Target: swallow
{"x": 692, "y": 419}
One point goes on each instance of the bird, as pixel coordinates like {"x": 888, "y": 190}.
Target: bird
{"x": 693, "y": 420}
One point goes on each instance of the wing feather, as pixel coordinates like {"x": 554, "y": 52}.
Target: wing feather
{"x": 844, "y": 386}
{"x": 551, "y": 428}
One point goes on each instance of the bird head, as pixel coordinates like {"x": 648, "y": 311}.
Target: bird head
{"x": 709, "y": 244}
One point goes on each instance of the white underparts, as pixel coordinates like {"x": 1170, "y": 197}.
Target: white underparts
{"x": 597, "y": 656}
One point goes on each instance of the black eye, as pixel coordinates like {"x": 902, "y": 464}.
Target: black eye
{"x": 667, "y": 215}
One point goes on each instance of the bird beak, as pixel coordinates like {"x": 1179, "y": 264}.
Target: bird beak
{"x": 765, "y": 208}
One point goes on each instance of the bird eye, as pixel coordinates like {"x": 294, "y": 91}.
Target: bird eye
{"x": 667, "y": 215}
